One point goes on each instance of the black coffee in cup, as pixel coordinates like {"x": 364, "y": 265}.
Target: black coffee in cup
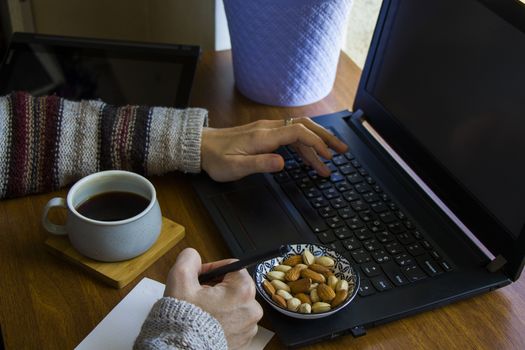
{"x": 113, "y": 206}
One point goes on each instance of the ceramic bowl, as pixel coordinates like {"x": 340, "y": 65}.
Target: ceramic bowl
{"x": 342, "y": 269}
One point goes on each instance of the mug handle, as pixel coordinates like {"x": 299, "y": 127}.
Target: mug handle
{"x": 48, "y": 225}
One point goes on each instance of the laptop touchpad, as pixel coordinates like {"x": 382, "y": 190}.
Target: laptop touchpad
{"x": 257, "y": 219}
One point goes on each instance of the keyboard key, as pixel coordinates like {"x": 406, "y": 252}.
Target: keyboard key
{"x": 349, "y": 156}
{"x": 405, "y": 260}
{"x": 371, "y": 197}
{"x": 335, "y": 222}
{"x": 415, "y": 249}
{"x": 355, "y": 163}
{"x": 291, "y": 164}
{"x": 367, "y": 215}
{"x": 343, "y": 233}
{"x": 326, "y": 237}
{"x": 305, "y": 184}
{"x": 445, "y": 265}
{"x": 338, "y": 203}
{"x": 312, "y": 193}
{"x": 354, "y": 223}
{"x": 360, "y": 256}
{"x": 372, "y": 245}
{"x": 351, "y": 195}
{"x": 351, "y": 243}
{"x": 413, "y": 273}
{"x": 284, "y": 153}
{"x": 339, "y": 160}
{"x": 363, "y": 234}
{"x": 376, "y": 226}
{"x": 387, "y": 217}
{"x": 343, "y": 186}
{"x": 429, "y": 265}
{"x": 435, "y": 255}
{"x": 319, "y": 202}
{"x": 426, "y": 245}
{"x": 406, "y": 238}
{"x": 281, "y": 176}
{"x": 385, "y": 236}
{"x": 347, "y": 169}
{"x": 362, "y": 188}
{"x": 358, "y": 205}
{"x": 336, "y": 177}
{"x": 380, "y": 256}
{"x": 297, "y": 174}
{"x": 354, "y": 178}
{"x": 363, "y": 172}
{"x": 396, "y": 227}
{"x": 346, "y": 213}
{"x": 394, "y": 248}
{"x": 394, "y": 273}
{"x": 381, "y": 283}
{"x": 378, "y": 207}
{"x": 371, "y": 269}
{"x": 323, "y": 183}
{"x": 336, "y": 245}
{"x": 327, "y": 212}
{"x": 365, "y": 288}
{"x": 331, "y": 193}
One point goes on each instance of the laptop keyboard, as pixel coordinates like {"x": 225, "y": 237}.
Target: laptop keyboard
{"x": 352, "y": 214}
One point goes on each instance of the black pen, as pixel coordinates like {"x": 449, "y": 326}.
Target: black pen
{"x": 242, "y": 264}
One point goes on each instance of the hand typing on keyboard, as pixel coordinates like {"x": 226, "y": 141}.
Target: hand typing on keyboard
{"x": 231, "y": 153}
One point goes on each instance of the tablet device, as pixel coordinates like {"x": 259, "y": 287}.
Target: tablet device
{"x": 116, "y": 72}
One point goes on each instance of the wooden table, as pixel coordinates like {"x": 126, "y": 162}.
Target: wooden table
{"x": 46, "y": 303}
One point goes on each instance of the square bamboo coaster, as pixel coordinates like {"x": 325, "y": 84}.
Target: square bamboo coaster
{"x": 119, "y": 274}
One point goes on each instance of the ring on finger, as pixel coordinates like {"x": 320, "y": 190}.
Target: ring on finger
{"x": 289, "y": 121}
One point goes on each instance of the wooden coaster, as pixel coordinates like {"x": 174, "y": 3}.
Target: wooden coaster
{"x": 119, "y": 274}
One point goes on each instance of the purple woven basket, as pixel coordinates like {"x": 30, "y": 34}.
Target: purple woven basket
{"x": 285, "y": 52}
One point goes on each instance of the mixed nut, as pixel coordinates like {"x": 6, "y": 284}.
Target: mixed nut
{"x": 307, "y": 284}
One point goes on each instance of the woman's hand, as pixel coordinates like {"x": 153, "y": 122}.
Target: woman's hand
{"x": 232, "y": 301}
{"x": 232, "y": 153}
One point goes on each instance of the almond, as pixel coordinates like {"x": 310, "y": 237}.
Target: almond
{"x": 308, "y": 257}
{"x": 275, "y": 275}
{"x": 293, "y": 274}
{"x": 268, "y": 287}
{"x": 314, "y": 276}
{"x": 319, "y": 268}
{"x": 340, "y": 296}
{"x": 284, "y": 294}
{"x": 282, "y": 268}
{"x": 293, "y": 304}
{"x": 300, "y": 286}
{"x": 320, "y": 307}
{"x": 325, "y": 261}
{"x": 325, "y": 292}
{"x": 280, "y": 285}
{"x": 305, "y": 308}
{"x": 293, "y": 260}
{"x": 341, "y": 285}
{"x": 314, "y": 297}
{"x": 332, "y": 281}
{"x": 279, "y": 300}
{"x": 305, "y": 299}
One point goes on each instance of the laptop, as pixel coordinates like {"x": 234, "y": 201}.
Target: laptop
{"x": 117, "y": 72}
{"x": 428, "y": 202}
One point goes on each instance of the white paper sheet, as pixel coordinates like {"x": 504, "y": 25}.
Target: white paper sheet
{"x": 118, "y": 330}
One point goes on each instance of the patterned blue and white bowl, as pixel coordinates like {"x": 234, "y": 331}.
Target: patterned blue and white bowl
{"x": 342, "y": 269}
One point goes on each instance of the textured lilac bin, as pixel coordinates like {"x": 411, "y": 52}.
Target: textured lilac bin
{"x": 285, "y": 52}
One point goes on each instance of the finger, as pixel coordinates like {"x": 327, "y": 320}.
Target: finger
{"x": 243, "y": 165}
{"x": 183, "y": 276}
{"x": 331, "y": 140}
{"x": 310, "y": 157}
{"x": 239, "y": 283}
{"x": 267, "y": 140}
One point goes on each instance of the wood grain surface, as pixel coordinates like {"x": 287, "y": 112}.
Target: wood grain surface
{"x": 47, "y": 303}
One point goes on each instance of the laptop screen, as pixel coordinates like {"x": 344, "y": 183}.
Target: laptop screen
{"x": 117, "y": 73}
{"x": 452, "y": 75}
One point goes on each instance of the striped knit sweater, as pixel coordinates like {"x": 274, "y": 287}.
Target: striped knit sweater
{"x": 48, "y": 142}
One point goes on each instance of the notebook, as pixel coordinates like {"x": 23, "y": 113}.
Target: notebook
{"x": 129, "y": 315}
{"x": 427, "y": 204}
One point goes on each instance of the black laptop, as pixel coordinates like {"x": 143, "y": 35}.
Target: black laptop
{"x": 117, "y": 72}
{"x": 429, "y": 201}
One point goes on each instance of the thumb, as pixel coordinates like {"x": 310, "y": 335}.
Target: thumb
{"x": 183, "y": 276}
{"x": 261, "y": 163}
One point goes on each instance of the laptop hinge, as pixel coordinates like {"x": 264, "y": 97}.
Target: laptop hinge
{"x": 496, "y": 264}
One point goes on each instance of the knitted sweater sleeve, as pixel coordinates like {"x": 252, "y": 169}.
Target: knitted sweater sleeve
{"x": 177, "y": 324}
{"x": 48, "y": 142}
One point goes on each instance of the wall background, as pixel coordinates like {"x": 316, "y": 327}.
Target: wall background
{"x": 201, "y": 22}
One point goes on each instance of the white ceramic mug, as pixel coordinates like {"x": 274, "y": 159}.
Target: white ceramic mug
{"x": 108, "y": 240}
